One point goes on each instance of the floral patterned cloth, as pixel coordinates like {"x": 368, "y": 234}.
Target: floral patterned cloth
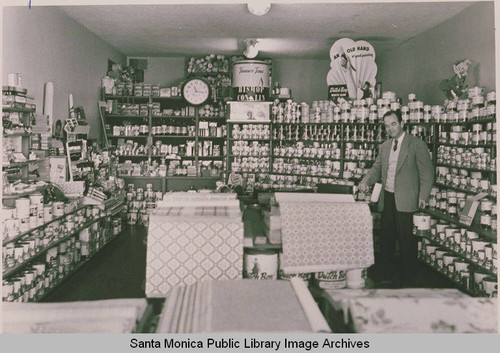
{"x": 424, "y": 315}
{"x": 326, "y": 236}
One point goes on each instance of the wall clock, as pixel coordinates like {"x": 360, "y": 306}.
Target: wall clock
{"x": 196, "y": 91}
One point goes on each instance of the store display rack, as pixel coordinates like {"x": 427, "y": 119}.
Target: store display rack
{"x": 192, "y": 119}
{"x": 25, "y": 115}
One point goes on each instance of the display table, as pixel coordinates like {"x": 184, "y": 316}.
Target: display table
{"x": 413, "y": 310}
{"x": 98, "y": 316}
{"x": 424, "y": 315}
{"x": 189, "y": 244}
{"x": 241, "y": 306}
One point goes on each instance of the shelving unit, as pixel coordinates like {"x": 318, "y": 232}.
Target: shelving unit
{"x": 17, "y": 134}
{"x": 468, "y": 128}
{"x": 188, "y": 119}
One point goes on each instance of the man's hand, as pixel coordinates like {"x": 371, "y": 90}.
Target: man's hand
{"x": 363, "y": 186}
{"x": 422, "y": 204}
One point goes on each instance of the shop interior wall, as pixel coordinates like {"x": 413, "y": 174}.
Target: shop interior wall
{"x": 305, "y": 77}
{"x": 165, "y": 71}
{"x": 44, "y": 44}
{"x": 419, "y": 64}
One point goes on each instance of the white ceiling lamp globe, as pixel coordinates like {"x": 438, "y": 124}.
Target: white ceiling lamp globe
{"x": 259, "y": 7}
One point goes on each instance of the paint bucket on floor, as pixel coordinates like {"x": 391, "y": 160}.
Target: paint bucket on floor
{"x": 356, "y": 278}
{"x": 260, "y": 264}
{"x": 421, "y": 224}
{"x": 331, "y": 280}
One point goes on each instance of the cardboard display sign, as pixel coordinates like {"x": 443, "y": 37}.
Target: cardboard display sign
{"x": 337, "y": 91}
{"x": 470, "y": 209}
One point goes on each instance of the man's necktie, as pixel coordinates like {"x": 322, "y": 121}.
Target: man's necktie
{"x": 395, "y": 145}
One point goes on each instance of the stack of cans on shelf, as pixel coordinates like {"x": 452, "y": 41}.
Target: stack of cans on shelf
{"x": 140, "y": 203}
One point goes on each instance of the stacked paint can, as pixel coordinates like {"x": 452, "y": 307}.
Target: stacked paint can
{"x": 30, "y": 213}
{"x": 261, "y": 264}
{"x": 31, "y": 243}
{"x": 140, "y": 203}
{"x": 80, "y": 243}
{"x": 331, "y": 279}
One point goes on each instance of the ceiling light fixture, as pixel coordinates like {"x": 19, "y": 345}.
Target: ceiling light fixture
{"x": 251, "y": 50}
{"x": 259, "y": 7}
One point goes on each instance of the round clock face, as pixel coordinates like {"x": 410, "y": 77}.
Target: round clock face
{"x": 196, "y": 91}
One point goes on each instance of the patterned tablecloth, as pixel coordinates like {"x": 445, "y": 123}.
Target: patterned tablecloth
{"x": 424, "y": 315}
{"x": 188, "y": 244}
{"x": 325, "y": 236}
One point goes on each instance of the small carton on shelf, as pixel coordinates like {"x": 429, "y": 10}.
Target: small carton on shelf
{"x": 469, "y": 211}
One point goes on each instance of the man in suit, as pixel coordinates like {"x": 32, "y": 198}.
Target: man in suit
{"x": 404, "y": 168}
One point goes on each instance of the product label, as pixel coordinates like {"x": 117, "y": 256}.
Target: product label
{"x": 336, "y": 91}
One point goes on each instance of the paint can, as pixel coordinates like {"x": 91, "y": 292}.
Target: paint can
{"x": 251, "y": 80}
{"x": 489, "y": 286}
{"x": 23, "y": 207}
{"x": 58, "y": 208}
{"x": 287, "y": 276}
{"x": 331, "y": 280}
{"x": 261, "y": 264}
{"x": 421, "y": 223}
{"x": 356, "y": 278}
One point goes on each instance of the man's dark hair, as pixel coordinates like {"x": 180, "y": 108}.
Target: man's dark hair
{"x": 395, "y": 112}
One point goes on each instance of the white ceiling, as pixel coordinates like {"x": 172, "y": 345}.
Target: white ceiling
{"x": 305, "y": 30}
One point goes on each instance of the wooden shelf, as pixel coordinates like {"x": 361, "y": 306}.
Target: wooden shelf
{"x": 140, "y": 177}
{"x": 252, "y": 156}
{"x": 17, "y": 134}
{"x": 212, "y": 118}
{"x": 462, "y": 256}
{"x": 18, "y": 109}
{"x": 21, "y": 235}
{"x": 475, "y": 121}
{"x": 210, "y": 138}
{"x": 455, "y": 284}
{"x": 307, "y": 175}
{"x": 169, "y": 157}
{"x": 469, "y": 192}
{"x": 75, "y": 269}
{"x": 126, "y": 116}
{"x": 133, "y": 156}
{"x": 308, "y": 158}
{"x": 185, "y": 177}
{"x": 26, "y": 193}
{"x": 481, "y": 145}
{"x": 153, "y": 98}
{"x": 128, "y": 137}
{"x": 248, "y": 121}
{"x": 20, "y": 164}
{"x": 10, "y": 271}
{"x": 465, "y": 168}
{"x": 484, "y": 233}
{"x": 367, "y": 142}
{"x": 302, "y": 140}
{"x": 248, "y": 139}
{"x": 172, "y": 117}
{"x": 174, "y": 136}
